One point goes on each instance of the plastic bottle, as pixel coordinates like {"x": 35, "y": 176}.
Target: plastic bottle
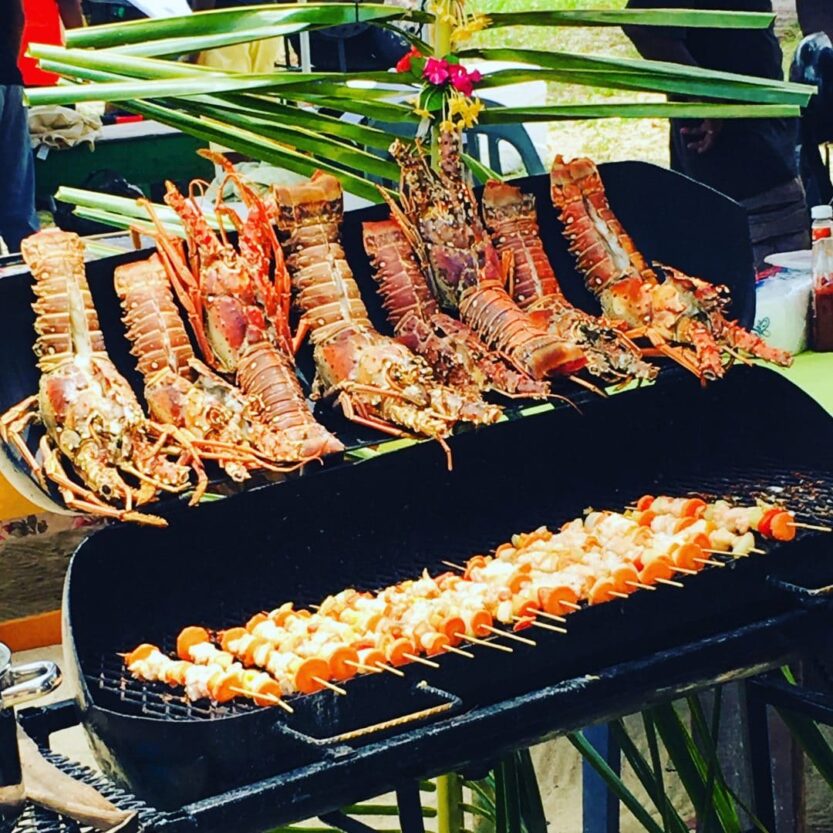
{"x": 822, "y": 234}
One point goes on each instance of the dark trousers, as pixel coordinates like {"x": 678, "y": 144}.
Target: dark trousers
{"x": 17, "y": 180}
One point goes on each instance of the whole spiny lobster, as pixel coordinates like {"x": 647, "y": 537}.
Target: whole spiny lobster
{"x": 682, "y": 310}
{"x": 440, "y": 215}
{"x": 224, "y": 423}
{"x": 455, "y": 352}
{"x": 510, "y": 217}
{"x": 240, "y": 317}
{"x": 91, "y": 415}
{"x": 376, "y": 380}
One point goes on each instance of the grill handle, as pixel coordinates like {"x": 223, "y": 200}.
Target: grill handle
{"x": 30, "y": 680}
{"x": 451, "y": 702}
{"x": 806, "y": 596}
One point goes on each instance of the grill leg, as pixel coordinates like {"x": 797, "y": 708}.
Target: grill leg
{"x": 410, "y": 808}
{"x": 759, "y": 754}
{"x": 600, "y": 807}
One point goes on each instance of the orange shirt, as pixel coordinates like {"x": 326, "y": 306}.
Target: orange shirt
{"x": 43, "y": 25}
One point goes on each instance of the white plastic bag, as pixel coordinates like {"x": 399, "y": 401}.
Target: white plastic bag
{"x": 783, "y": 306}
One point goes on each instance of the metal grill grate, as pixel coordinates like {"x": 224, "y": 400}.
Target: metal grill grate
{"x": 36, "y": 819}
{"x": 808, "y": 492}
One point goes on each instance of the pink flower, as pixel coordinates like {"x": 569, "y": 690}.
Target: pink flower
{"x": 404, "y": 63}
{"x": 436, "y": 71}
{"x": 462, "y": 80}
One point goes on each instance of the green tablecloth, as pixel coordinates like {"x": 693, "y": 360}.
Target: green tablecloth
{"x": 813, "y": 373}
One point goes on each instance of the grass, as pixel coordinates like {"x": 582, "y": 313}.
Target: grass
{"x": 609, "y": 139}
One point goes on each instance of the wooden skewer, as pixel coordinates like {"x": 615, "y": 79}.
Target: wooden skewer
{"x": 550, "y": 616}
{"x": 455, "y": 650}
{"x": 814, "y": 527}
{"x": 709, "y": 562}
{"x": 618, "y": 595}
{"x": 670, "y": 582}
{"x": 270, "y": 697}
{"x": 509, "y": 635}
{"x": 362, "y": 667}
{"x": 571, "y": 605}
{"x": 389, "y": 668}
{"x": 453, "y": 565}
{"x": 332, "y": 686}
{"x": 683, "y": 570}
{"x": 757, "y": 551}
{"x": 543, "y": 625}
{"x": 414, "y": 658}
{"x": 640, "y": 585}
{"x": 719, "y": 552}
{"x": 505, "y": 648}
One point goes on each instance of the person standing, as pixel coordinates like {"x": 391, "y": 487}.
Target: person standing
{"x": 753, "y": 161}
{"x": 17, "y": 184}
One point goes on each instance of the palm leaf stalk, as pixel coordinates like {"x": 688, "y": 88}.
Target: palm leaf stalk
{"x": 278, "y": 117}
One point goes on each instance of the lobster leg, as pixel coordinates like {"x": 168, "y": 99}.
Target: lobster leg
{"x": 83, "y": 500}
{"x": 358, "y": 414}
{"x": 753, "y": 344}
{"x": 12, "y": 425}
{"x": 675, "y": 353}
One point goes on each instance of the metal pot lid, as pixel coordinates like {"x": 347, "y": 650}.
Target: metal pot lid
{"x": 5, "y": 660}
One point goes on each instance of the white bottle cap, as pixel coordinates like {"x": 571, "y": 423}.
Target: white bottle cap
{"x": 822, "y": 212}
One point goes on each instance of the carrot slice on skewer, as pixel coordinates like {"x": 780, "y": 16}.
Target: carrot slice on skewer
{"x": 255, "y": 621}
{"x": 694, "y": 507}
{"x": 764, "y": 525}
{"x": 529, "y": 608}
{"x": 435, "y": 643}
{"x": 188, "y": 637}
{"x": 231, "y": 635}
{"x": 782, "y": 526}
{"x": 269, "y": 689}
{"x": 601, "y": 591}
{"x": 644, "y": 503}
{"x": 479, "y": 623}
{"x": 684, "y": 523}
{"x": 371, "y": 657}
{"x": 452, "y": 627}
{"x": 656, "y": 568}
{"x": 397, "y": 649}
{"x": 557, "y": 600}
{"x": 342, "y": 660}
{"x": 625, "y": 578}
{"x": 518, "y": 580}
{"x": 689, "y": 557}
{"x": 139, "y": 653}
{"x": 222, "y": 684}
{"x": 647, "y": 517}
{"x": 307, "y": 671}
{"x": 474, "y": 563}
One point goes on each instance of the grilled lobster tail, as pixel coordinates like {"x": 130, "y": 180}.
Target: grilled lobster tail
{"x": 438, "y": 209}
{"x": 687, "y": 311}
{"x": 91, "y": 415}
{"x": 510, "y": 216}
{"x": 240, "y": 320}
{"x": 377, "y": 381}
{"x": 66, "y": 321}
{"x": 456, "y": 354}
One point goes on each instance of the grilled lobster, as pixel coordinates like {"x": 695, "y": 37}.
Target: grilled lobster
{"x": 240, "y": 318}
{"x": 376, "y": 380}
{"x": 455, "y": 352}
{"x": 510, "y": 217}
{"x": 441, "y": 218}
{"x": 224, "y": 423}
{"x": 91, "y": 415}
{"x": 680, "y": 310}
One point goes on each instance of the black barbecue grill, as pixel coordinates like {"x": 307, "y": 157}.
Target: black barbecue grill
{"x": 236, "y": 767}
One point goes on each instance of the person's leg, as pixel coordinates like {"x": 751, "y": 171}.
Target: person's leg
{"x": 17, "y": 181}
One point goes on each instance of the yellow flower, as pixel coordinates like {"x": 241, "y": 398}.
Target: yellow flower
{"x": 446, "y": 126}
{"x": 457, "y": 104}
{"x": 464, "y": 32}
{"x": 423, "y": 113}
{"x": 471, "y": 112}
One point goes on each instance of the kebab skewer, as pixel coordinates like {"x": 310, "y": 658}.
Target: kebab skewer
{"x": 604, "y": 556}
